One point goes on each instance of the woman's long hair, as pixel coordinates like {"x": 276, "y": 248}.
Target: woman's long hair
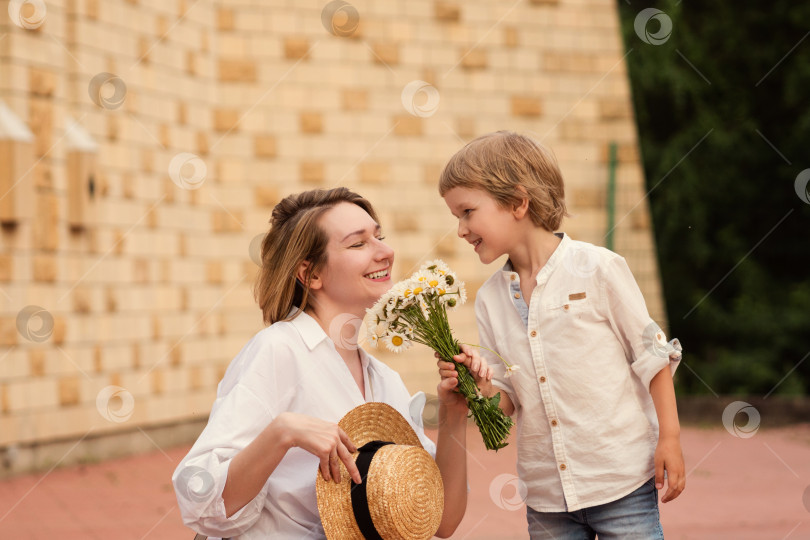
{"x": 296, "y": 236}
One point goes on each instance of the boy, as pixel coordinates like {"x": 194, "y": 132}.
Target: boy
{"x": 596, "y": 415}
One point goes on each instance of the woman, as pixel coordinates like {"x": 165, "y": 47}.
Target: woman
{"x": 251, "y": 473}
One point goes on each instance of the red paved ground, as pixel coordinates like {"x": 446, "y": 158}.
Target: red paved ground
{"x": 756, "y": 488}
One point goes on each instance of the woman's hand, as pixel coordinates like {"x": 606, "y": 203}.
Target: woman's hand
{"x": 325, "y": 440}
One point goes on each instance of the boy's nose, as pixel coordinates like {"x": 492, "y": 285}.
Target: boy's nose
{"x": 462, "y": 230}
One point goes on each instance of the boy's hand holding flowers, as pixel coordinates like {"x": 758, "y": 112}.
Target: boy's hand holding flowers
{"x": 415, "y": 311}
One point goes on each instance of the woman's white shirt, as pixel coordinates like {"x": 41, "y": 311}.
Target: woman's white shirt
{"x": 287, "y": 367}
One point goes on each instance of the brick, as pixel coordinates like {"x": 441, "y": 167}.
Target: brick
{"x": 233, "y": 70}
{"x": 225, "y": 19}
{"x": 625, "y": 153}
{"x": 36, "y": 362}
{"x": 145, "y": 47}
{"x": 98, "y": 359}
{"x": 264, "y": 146}
{"x": 8, "y": 331}
{"x": 81, "y": 299}
{"x": 40, "y": 122}
{"x": 157, "y": 381}
{"x": 571, "y": 62}
{"x": 353, "y": 99}
{"x": 266, "y": 196}
{"x": 113, "y": 128}
{"x": 431, "y": 173}
{"x": 41, "y": 83}
{"x": 213, "y": 272}
{"x": 407, "y": 222}
{"x": 510, "y": 37}
{"x": 45, "y": 268}
{"x": 190, "y": 63}
{"x": 296, "y": 48}
{"x": 374, "y": 172}
{"x": 615, "y": 109}
{"x": 311, "y": 172}
{"x": 225, "y": 119}
{"x": 386, "y": 53}
{"x": 588, "y": 197}
{"x": 162, "y": 25}
{"x": 69, "y": 391}
{"x": 311, "y": 122}
{"x": 465, "y": 127}
{"x": 91, "y": 9}
{"x": 640, "y": 218}
{"x": 59, "y": 330}
{"x": 526, "y": 106}
{"x": 222, "y": 221}
{"x": 182, "y": 113}
{"x": 110, "y": 300}
{"x": 407, "y": 125}
{"x": 447, "y": 12}
{"x": 6, "y": 268}
{"x": 165, "y": 136}
{"x": 202, "y": 143}
{"x": 5, "y": 401}
{"x": 176, "y": 356}
{"x": 140, "y": 271}
{"x": 473, "y": 58}
{"x": 446, "y": 246}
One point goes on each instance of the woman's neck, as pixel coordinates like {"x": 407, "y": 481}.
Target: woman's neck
{"x": 342, "y": 327}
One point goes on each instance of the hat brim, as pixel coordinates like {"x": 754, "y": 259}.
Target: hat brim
{"x": 368, "y": 422}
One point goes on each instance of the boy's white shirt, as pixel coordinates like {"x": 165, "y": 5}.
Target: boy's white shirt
{"x": 586, "y": 424}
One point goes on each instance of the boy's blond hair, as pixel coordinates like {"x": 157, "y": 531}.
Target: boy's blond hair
{"x": 501, "y": 162}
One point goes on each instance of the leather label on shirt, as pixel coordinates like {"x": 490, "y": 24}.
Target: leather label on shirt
{"x": 577, "y": 296}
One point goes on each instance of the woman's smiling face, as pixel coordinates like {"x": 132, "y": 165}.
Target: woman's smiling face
{"x": 358, "y": 263}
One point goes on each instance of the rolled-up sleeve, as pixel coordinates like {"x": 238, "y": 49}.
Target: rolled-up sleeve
{"x": 644, "y": 342}
{"x": 237, "y": 418}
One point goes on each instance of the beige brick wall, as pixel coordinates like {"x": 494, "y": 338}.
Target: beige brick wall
{"x": 151, "y": 292}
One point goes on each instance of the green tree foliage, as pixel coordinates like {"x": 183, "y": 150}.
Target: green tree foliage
{"x": 723, "y": 111}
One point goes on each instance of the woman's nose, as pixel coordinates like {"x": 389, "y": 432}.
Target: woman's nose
{"x": 384, "y": 251}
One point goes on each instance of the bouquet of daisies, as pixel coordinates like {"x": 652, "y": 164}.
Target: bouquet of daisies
{"x": 415, "y": 311}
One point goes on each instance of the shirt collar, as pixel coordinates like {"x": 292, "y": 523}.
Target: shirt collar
{"x": 311, "y": 332}
{"x": 507, "y": 271}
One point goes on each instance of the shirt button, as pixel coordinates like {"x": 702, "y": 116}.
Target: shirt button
{"x": 542, "y": 379}
{"x": 566, "y": 306}
{"x": 517, "y": 295}
{"x": 562, "y": 466}
{"x": 553, "y": 422}
{"x": 513, "y": 277}
{"x": 534, "y": 333}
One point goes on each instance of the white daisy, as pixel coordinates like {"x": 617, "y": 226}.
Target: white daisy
{"x": 397, "y": 342}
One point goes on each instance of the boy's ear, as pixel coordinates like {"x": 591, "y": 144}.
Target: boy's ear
{"x": 305, "y": 272}
{"x": 521, "y": 209}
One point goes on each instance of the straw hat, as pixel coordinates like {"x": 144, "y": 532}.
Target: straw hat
{"x": 404, "y": 490}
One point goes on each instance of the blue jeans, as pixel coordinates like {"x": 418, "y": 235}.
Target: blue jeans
{"x": 633, "y": 517}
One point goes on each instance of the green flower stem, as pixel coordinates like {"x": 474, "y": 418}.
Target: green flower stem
{"x": 434, "y": 332}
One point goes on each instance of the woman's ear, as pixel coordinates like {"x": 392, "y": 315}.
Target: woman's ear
{"x": 519, "y": 210}
{"x": 305, "y": 273}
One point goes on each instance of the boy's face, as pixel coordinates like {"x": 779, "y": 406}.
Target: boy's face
{"x": 491, "y": 229}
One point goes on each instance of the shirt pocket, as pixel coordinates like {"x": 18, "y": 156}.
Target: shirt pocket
{"x": 572, "y": 303}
